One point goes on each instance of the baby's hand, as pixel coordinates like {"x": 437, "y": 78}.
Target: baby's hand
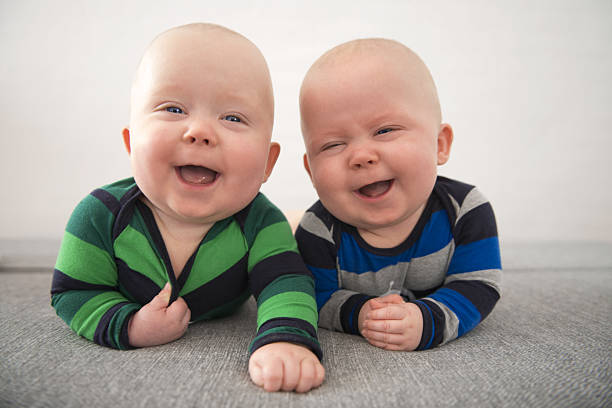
{"x": 157, "y": 323}
{"x": 285, "y": 366}
{"x": 392, "y": 324}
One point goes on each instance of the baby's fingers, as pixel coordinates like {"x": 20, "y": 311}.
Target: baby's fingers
{"x": 388, "y": 312}
{"x": 392, "y": 299}
{"x": 291, "y": 374}
{"x": 256, "y": 373}
{"x": 272, "y": 374}
{"x": 388, "y": 326}
{"x": 387, "y": 341}
{"x": 160, "y": 301}
{"x": 179, "y": 311}
{"x": 307, "y": 376}
{"x": 311, "y": 376}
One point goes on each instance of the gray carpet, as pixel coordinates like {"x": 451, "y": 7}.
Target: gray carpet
{"x": 546, "y": 344}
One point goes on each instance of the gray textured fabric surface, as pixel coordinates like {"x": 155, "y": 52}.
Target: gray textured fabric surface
{"x": 546, "y": 344}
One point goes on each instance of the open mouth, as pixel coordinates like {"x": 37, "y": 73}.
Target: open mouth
{"x": 376, "y": 189}
{"x": 197, "y": 174}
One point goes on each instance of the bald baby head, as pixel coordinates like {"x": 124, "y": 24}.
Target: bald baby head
{"x": 203, "y": 46}
{"x": 381, "y": 55}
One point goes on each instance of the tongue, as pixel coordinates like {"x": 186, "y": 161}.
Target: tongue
{"x": 198, "y": 175}
{"x": 375, "y": 189}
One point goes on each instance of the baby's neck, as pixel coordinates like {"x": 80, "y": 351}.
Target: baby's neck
{"x": 390, "y": 236}
{"x": 181, "y": 238}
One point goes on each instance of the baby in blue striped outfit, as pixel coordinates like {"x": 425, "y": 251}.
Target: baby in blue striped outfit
{"x": 402, "y": 256}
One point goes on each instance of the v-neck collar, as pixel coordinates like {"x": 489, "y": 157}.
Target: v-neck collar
{"x": 158, "y": 241}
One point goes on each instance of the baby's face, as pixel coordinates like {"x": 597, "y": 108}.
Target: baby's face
{"x": 371, "y": 142}
{"x": 202, "y": 114}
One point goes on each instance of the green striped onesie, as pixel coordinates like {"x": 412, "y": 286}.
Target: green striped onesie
{"x": 113, "y": 260}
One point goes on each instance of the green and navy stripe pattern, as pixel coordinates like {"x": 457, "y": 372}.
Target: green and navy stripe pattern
{"x": 113, "y": 260}
{"x": 449, "y": 266}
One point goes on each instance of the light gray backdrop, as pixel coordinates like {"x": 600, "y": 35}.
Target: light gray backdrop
{"x": 525, "y": 85}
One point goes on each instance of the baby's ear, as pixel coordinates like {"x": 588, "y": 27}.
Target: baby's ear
{"x": 445, "y": 140}
{"x": 272, "y": 157}
{"x": 307, "y": 165}
{"x": 126, "y": 139}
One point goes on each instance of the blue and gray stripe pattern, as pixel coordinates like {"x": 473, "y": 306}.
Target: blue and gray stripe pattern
{"x": 449, "y": 266}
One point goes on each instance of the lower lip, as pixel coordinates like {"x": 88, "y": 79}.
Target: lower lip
{"x": 194, "y": 186}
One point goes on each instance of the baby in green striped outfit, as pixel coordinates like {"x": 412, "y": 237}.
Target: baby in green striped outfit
{"x": 189, "y": 237}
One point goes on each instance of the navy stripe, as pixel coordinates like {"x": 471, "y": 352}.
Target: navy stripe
{"x": 482, "y": 296}
{"x": 288, "y": 337}
{"x": 428, "y": 326}
{"x": 242, "y": 215}
{"x": 62, "y": 283}
{"x": 138, "y": 287}
{"x": 349, "y": 313}
{"x": 418, "y": 294}
{"x": 438, "y": 322}
{"x": 461, "y": 306}
{"x": 288, "y": 321}
{"x": 458, "y": 189}
{"x": 221, "y": 290}
{"x": 126, "y": 211}
{"x": 102, "y": 334}
{"x": 124, "y": 339}
{"x": 268, "y": 270}
{"x": 109, "y": 200}
{"x": 472, "y": 231}
{"x": 320, "y": 252}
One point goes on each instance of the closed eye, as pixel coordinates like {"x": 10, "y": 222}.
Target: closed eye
{"x": 383, "y": 131}
{"x": 330, "y": 146}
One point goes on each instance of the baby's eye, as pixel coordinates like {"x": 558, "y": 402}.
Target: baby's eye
{"x": 385, "y": 130}
{"x": 232, "y": 118}
{"x": 174, "y": 109}
{"x": 330, "y": 146}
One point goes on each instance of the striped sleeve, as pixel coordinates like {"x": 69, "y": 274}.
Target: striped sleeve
{"x": 84, "y": 289}
{"x": 338, "y": 308}
{"x": 279, "y": 280}
{"x": 472, "y": 285}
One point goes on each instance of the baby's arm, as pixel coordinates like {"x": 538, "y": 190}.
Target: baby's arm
{"x": 285, "y": 366}
{"x": 285, "y": 354}
{"x": 338, "y": 307}
{"x": 85, "y": 285}
{"x": 157, "y": 322}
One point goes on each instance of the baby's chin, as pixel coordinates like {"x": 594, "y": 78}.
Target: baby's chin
{"x": 374, "y": 221}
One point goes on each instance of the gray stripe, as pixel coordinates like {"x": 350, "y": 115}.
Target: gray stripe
{"x": 429, "y": 271}
{"x": 491, "y": 277}
{"x": 473, "y": 199}
{"x": 313, "y": 224}
{"x": 329, "y": 315}
{"x": 375, "y": 283}
{"x": 419, "y": 274}
{"x": 451, "y": 328}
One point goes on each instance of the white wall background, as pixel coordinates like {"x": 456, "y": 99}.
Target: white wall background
{"x": 525, "y": 84}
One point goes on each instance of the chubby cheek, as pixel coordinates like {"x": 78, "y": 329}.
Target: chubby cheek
{"x": 248, "y": 166}
{"x": 328, "y": 183}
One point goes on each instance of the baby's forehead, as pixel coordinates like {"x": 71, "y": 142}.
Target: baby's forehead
{"x": 372, "y": 51}
{"x": 380, "y": 63}
{"x": 203, "y": 47}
